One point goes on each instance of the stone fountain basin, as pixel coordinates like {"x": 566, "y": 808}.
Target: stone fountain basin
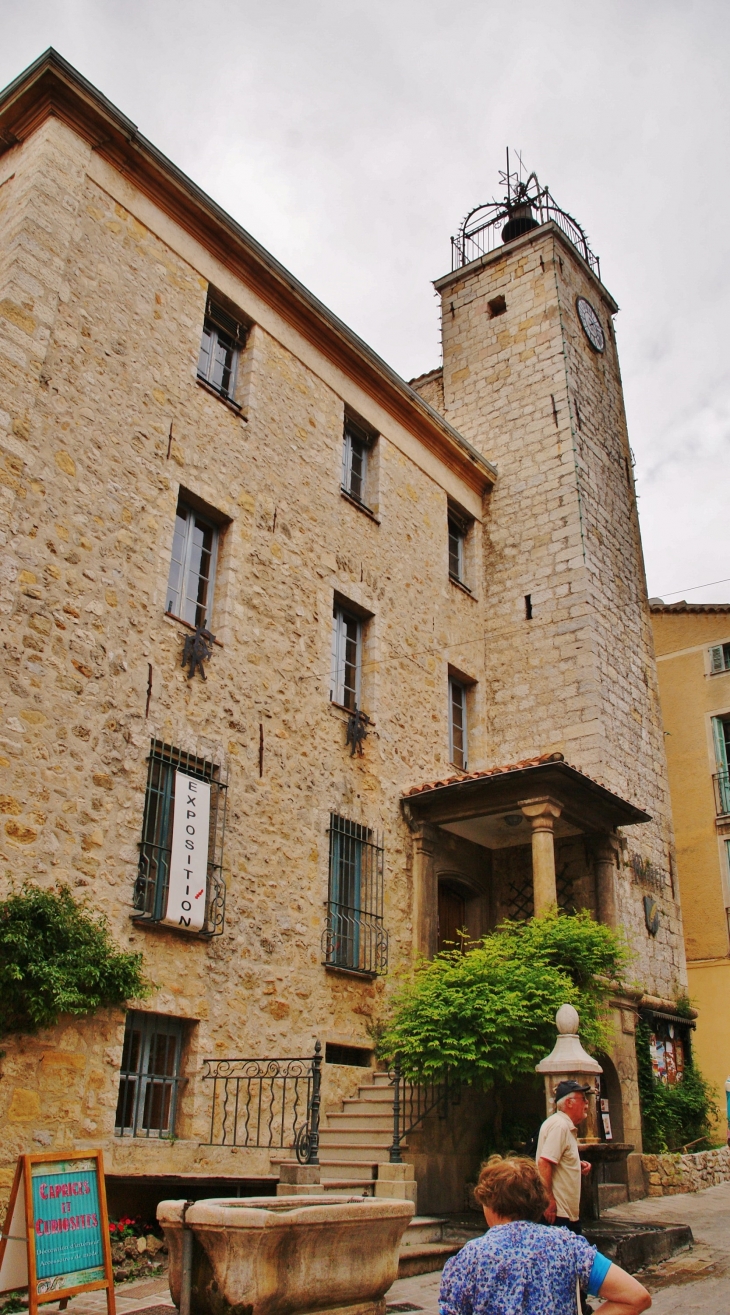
{"x": 287, "y": 1254}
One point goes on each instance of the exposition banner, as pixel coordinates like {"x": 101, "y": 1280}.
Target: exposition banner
{"x": 55, "y": 1241}
{"x": 186, "y": 895}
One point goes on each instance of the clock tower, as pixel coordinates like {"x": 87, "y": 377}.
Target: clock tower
{"x": 531, "y": 377}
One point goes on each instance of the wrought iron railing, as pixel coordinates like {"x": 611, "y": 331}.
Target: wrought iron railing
{"x": 269, "y": 1103}
{"x": 414, "y": 1103}
{"x": 527, "y": 206}
{"x": 721, "y": 782}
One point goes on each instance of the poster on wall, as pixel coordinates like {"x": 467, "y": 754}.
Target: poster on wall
{"x": 55, "y": 1240}
{"x": 186, "y": 894}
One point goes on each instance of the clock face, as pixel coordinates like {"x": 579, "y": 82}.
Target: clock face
{"x": 592, "y": 326}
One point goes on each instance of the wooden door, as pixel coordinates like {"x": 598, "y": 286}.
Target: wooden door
{"x": 452, "y": 918}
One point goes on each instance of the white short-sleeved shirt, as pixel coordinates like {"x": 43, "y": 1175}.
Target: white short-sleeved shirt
{"x": 558, "y": 1143}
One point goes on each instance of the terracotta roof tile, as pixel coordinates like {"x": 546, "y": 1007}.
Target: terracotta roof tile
{"x": 488, "y": 771}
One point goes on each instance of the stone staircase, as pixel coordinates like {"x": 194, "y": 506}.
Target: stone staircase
{"x": 354, "y": 1147}
{"x": 354, "y": 1155}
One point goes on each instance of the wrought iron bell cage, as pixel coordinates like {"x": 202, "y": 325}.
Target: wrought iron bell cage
{"x": 526, "y": 206}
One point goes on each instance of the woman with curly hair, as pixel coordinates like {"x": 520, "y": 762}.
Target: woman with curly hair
{"x": 523, "y": 1267}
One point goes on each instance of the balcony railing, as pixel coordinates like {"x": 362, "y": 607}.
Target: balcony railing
{"x": 269, "y": 1103}
{"x": 355, "y": 940}
{"x": 721, "y": 782}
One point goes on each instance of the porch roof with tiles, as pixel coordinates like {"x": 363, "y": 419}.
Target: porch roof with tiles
{"x": 586, "y": 805}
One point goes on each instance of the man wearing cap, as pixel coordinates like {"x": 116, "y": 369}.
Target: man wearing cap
{"x": 558, "y": 1161}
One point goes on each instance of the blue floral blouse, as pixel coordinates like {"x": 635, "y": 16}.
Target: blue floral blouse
{"x": 517, "y": 1269}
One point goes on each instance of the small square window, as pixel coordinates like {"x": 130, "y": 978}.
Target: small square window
{"x": 220, "y": 347}
{"x": 346, "y": 658}
{"x": 192, "y": 567}
{"x": 149, "y": 1079}
{"x": 356, "y": 452}
{"x": 457, "y": 724}
{"x": 719, "y": 658}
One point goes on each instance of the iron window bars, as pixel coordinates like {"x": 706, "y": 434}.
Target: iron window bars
{"x": 149, "y": 1079}
{"x": 354, "y": 935}
{"x": 346, "y": 658}
{"x": 266, "y": 1103}
{"x": 220, "y": 346}
{"x": 192, "y": 567}
{"x": 153, "y": 876}
{"x": 457, "y": 724}
{"x": 355, "y": 450}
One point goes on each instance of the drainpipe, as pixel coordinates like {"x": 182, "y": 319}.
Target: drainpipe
{"x": 187, "y": 1262}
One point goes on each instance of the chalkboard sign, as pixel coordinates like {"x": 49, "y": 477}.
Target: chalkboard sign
{"x": 55, "y": 1241}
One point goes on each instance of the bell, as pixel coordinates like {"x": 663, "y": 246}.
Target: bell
{"x": 521, "y": 220}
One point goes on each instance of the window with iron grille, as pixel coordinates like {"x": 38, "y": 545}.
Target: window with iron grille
{"x": 354, "y": 936}
{"x": 220, "y": 347}
{"x": 458, "y": 526}
{"x": 345, "y": 684}
{"x": 192, "y": 567}
{"x": 457, "y": 724}
{"x": 356, "y": 447}
{"x": 149, "y": 1079}
{"x": 719, "y": 658}
{"x": 153, "y": 876}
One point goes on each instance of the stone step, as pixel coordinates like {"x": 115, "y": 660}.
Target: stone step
{"x": 423, "y": 1230}
{"x": 370, "y": 1137}
{"x": 610, "y": 1194}
{"x": 337, "y": 1152}
{"x": 348, "y": 1122}
{"x": 370, "y": 1100}
{"x": 425, "y": 1258}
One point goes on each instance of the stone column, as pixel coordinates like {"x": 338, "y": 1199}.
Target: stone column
{"x": 604, "y": 854}
{"x": 542, "y": 814}
{"x": 425, "y": 891}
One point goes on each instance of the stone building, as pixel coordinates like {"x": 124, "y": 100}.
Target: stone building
{"x": 430, "y": 699}
{"x": 693, "y": 660}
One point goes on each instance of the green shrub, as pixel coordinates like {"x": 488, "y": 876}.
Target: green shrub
{"x": 489, "y": 1014}
{"x": 672, "y": 1116}
{"x": 56, "y": 957}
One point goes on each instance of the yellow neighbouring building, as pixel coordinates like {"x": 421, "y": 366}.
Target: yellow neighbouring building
{"x": 693, "y": 660}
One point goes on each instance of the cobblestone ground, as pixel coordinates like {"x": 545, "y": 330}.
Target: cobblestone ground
{"x": 694, "y": 1282}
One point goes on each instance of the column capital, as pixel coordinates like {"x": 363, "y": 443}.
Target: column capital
{"x": 542, "y": 812}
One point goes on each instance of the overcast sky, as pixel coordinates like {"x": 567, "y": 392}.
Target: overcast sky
{"x": 351, "y": 137}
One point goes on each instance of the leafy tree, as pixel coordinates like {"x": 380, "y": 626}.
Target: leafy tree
{"x": 57, "y": 958}
{"x": 488, "y": 1015}
{"x": 672, "y": 1116}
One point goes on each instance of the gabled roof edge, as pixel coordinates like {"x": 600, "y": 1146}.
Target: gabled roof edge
{"x": 19, "y": 95}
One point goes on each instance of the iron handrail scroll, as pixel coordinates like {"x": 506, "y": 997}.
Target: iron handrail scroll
{"x": 412, "y": 1104}
{"x": 267, "y": 1103}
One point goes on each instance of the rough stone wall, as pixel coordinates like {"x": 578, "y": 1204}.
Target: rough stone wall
{"x": 668, "y": 1175}
{"x": 579, "y": 677}
{"x": 105, "y": 423}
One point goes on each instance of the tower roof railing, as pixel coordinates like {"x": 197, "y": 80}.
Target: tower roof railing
{"x": 527, "y": 206}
